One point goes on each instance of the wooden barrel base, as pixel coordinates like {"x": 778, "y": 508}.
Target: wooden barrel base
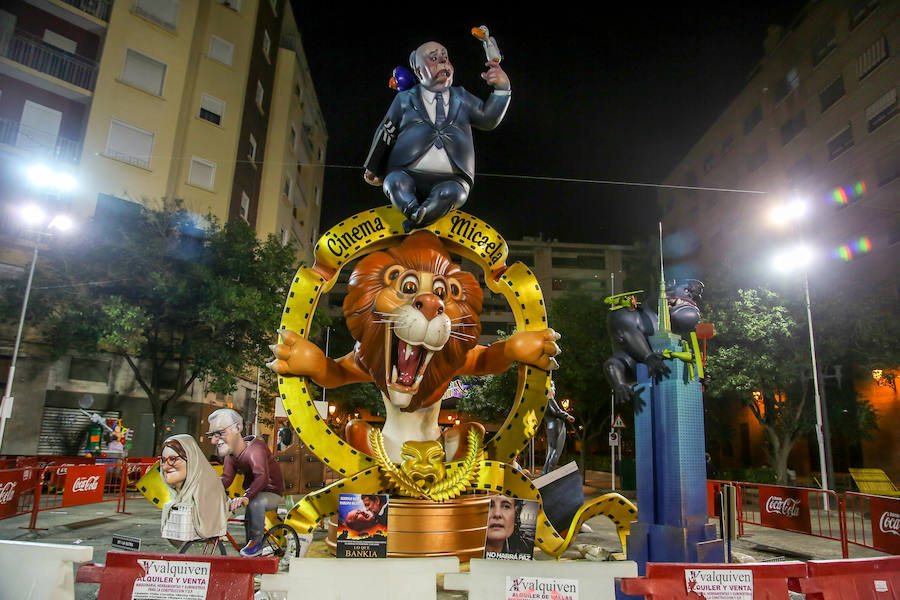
{"x": 420, "y": 528}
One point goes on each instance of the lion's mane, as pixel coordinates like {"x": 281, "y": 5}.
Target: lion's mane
{"x": 422, "y": 251}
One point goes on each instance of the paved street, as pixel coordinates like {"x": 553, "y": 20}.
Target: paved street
{"x": 94, "y": 525}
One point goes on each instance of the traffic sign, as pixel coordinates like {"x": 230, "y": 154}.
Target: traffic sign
{"x": 618, "y": 423}
{"x": 613, "y": 438}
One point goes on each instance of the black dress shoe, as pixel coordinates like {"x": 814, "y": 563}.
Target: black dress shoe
{"x": 408, "y": 226}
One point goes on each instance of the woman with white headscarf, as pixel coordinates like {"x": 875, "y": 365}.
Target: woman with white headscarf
{"x": 197, "y": 501}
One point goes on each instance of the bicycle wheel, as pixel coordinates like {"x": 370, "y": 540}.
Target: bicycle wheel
{"x": 205, "y": 547}
{"x": 282, "y": 541}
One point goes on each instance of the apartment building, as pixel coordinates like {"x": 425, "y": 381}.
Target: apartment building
{"x": 132, "y": 101}
{"x": 815, "y": 121}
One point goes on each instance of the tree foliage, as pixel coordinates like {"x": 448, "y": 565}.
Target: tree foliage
{"x": 762, "y": 345}
{"x": 166, "y": 290}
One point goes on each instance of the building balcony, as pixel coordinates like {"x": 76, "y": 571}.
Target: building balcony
{"x": 39, "y": 143}
{"x": 32, "y": 52}
{"x": 95, "y": 8}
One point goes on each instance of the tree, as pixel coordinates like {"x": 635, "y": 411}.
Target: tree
{"x": 580, "y": 318}
{"x": 761, "y": 354}
{"x": 165, "y": 289}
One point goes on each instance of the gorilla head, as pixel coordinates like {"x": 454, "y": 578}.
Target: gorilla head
{"x": 683, "y": 311}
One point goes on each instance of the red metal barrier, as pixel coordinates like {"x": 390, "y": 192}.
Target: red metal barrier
{"x": 854, "y": 579}
{"x": 135, "y": 468}
{"x": 673, "y": 581}
{"x": 17, "y": 491}
{"x": 713, "y": 487}
{"x": 790, "y": 509}
{"x": 872, "y": 521}
{"x": 75, "y": 484}
{"x": 230, "y": 577}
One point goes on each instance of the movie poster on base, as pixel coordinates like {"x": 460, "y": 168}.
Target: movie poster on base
{"x": 362, "y": 526}
{"x": 510, "y": 528}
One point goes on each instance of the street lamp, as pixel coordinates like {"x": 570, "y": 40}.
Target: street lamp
{"x": 42, "y": 226}
{"x": 801, "y": 256}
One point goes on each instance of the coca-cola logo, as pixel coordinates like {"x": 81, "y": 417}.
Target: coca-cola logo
{"x": 788, "y": 507}
{"x": 64, "y": 468}
{"x": 7, "y": 491}
{"x": 26, "y": 474}
{"x": 86, "y": 484}
{"x": 889, "y": 523}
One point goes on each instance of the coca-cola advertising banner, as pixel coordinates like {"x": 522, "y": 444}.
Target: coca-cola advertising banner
{"x": 885, "y": 514}
{"x": 784, "y": 508}
{"x": 84, "y": 484}
{"x": 11, "y": 486}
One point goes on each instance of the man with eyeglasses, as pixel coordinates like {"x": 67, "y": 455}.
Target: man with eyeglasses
{"x": 263, "y": 483}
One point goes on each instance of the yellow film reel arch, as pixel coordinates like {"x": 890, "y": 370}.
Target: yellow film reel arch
{"x": 379, "y": 228}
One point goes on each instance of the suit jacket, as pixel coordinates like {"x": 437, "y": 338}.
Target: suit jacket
{"x": 406, "y": 133}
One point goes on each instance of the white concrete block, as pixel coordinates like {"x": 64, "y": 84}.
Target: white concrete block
{"x": 351, "y": 579}
{"x": 486, "y": 579}
{"x": 34, "y": 571}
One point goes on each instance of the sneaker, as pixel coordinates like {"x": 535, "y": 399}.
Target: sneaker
{"x": 252, "y": 549}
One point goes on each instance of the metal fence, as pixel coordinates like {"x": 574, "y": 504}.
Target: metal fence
{"x": 30, "y": 51}
{"x": 37, "y": 141}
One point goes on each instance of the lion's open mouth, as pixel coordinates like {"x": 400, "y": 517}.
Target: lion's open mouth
{"x": 406, "y": 363}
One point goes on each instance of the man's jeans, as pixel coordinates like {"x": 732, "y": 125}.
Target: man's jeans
{"x": 255, "y": 515}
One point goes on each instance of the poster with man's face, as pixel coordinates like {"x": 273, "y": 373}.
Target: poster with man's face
{"x": 362, "y": 526}
{"x": 510, "y": 528}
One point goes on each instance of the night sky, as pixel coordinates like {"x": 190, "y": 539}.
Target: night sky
{"x": 596, "y": 96}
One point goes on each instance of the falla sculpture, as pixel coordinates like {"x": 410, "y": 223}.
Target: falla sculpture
{"x": 414, "y": 313}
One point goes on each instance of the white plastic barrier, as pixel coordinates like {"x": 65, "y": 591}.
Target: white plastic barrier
{"x": 33, "y": 571}
{"x": 487, "y": 579}
{"x": 369, "y": 578}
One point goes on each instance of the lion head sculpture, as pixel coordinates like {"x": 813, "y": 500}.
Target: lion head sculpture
{"x": 414, "y": 314}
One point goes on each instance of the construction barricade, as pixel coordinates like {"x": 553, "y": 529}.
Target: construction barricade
{"x": 75, "y": 485}
{"x": 128, "y": 575}
{"x": 17, "y": 491}
{"x": 872, "y": 522}
{"x": 853, "y": 579}
{"x": 802, "y": 510}
{"x": 713, "y": 488}
{"x": 673, "y": 581}
{"x": 134, "y": 469}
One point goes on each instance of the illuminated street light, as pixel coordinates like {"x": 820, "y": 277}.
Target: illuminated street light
{"x": 37, "y": 220}
{"x": 43, "y": 177}
{"x": 801, "y": 257}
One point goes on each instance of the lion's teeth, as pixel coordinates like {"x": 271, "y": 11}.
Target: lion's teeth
{"x": 394, "y": 375}
{"x": 408, "y": 352}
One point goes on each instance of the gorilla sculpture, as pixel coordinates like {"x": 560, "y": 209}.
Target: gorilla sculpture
{"x": 632, "y": 323}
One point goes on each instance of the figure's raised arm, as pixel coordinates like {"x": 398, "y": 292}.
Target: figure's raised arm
{"x": 298, "y": 356}
{"x": 537, "y": 348}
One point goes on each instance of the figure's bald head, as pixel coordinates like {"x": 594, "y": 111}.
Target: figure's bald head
{"x": 431, "y": 64}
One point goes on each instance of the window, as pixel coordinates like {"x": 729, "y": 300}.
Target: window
{"x": 727, "y": 144}
{"x": 260, "y": 95}
{"x": 283, "y": 235}
{"x": 880, "y": 111}
{"x": 87, "y": 369}
{"x": 203, "y": 173}
{"x": 266, "y": 44}
{"x": 144, "y": 72}
{"x": 861, "y": 10}
{"x": 758, "y": 158}
{"x": 887, "y": 169}
{"x": 162, "y": 12}
{"x": 793, "y": 127}
{"x": 61, "y": 42}
{"x": 212, "y": 109}
{"x": 297, "y": 91}
{"x": 234, "y": 5}
{"x": 801, "y": 169}
{"x": 840, "y": 143}
{"x": 292, "y": 138}
{"x": 831, "y": 94}
{"x": 286, "y": 188}
{"x": 252, "y": 154}
{"x": 129, "y": 144}
{"x": 874, "y": 55}
{"x": 823, "y": 45}
{"x": 558, "y": 284}
{"x": 221, "y": 50}
{"x": 245, "y": 206}
{"x": 786, "y": 85}
{"x": 753, "y": 119}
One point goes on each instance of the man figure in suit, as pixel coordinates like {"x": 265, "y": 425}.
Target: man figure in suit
{"x": 423, "y": 154}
